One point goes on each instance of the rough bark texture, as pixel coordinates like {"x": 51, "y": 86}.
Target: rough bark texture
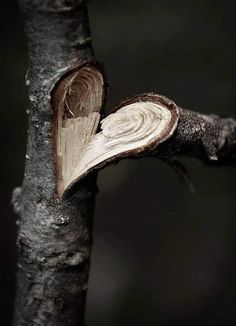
{"x": 210, "y": 138}
{"x": 54, "y": 240}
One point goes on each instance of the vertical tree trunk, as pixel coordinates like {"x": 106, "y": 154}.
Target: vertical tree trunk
{"x": 54, "y": 239}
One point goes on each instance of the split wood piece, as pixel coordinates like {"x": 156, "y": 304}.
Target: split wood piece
{"x": 137, "y": 126}
{"x": 78, "y": 100}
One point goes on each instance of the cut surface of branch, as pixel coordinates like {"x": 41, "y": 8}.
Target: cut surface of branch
{"x": 137, "y": 126}
{"x": 151, "y": 125}
{"x": 55, "y": 239}
{"x": 78, "y": 100}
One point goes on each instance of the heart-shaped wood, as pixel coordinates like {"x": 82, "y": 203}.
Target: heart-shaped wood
{"x": 136, "y": 127}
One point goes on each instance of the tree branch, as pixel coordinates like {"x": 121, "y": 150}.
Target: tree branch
{"x": 153, "y": 125}
{"x": 66, "y": 95}
{"x": 209, "y": 138}
{"x": 54, "y": 239}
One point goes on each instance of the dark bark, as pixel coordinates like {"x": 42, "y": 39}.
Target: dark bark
{"x": 54, "y": 239}
{"x": 209, "y": 138}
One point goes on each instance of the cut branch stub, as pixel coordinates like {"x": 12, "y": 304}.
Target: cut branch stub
{"x": 77, "y": 101}
{"x": 136, "y": 127}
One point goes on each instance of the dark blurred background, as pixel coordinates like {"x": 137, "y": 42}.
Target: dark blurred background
{"x": 161, "y": 254}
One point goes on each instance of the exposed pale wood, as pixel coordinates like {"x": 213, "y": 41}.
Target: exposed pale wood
{"x": 138, "y": 125}
{"x": 54, "y": 239}
{"x": 152, "y": 125}
{"x": 78, "y": 101}
{"x": 71, "y": 144}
